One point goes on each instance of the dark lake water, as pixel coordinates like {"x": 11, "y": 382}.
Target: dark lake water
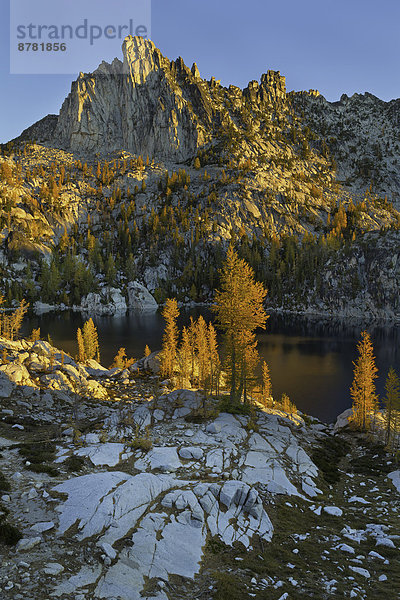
{"x": 309, "y": 360}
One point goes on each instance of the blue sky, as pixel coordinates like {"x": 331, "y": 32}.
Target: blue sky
{"x": 341, "y": 46}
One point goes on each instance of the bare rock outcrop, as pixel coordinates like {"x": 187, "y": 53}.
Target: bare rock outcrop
{"x": 149, "y": 105}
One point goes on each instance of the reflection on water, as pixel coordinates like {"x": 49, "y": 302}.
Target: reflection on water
{"x": 309, "y": 360}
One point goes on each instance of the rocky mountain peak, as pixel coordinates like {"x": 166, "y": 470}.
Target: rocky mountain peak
{"x": 149, "y": 105}
{"x": 271, "y": 90}
{"x": 146, "y": 105}
{"x": 275, "y": 83}
{"x": 141, "y": 57}
{"x": 195, "y": 71}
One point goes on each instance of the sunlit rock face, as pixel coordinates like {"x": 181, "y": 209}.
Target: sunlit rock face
{"x": 149, "y": 105}
{"x": 146, "y": 105}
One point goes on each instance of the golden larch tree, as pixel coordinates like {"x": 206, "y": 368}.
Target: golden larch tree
{"x": 363, "y": 391}
{"x": 239, "y": 309}
{"x": 81, "y": 346}
{"x": 120, "y": 359}
{"x": 192, "y": 344}
{"x": 202, "y": 351}
{"x": 184, "y": 356}
{"x": 249, "y": 361}
{"x": 266, "y": 385}
{"x": 213, "y": 357}
{"x": 287, "y": 406}
{"x": 10, "y": 324}
{"x": 170, "y": 338}
{"x": 88, "y": 342}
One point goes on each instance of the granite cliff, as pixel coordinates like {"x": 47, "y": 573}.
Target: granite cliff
{"x": 164, "y": 169}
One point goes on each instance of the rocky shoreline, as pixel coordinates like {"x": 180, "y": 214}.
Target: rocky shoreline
{"x": 94, "y": 306}
{"x": 124, "y": 489}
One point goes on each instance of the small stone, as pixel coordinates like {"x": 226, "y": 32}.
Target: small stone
{"x": 359, "y": 500}
{"x": 108, "y": 550}
{"x": 333, "y": 510}
{"x": 373, "y": 554}
{"x": 6, "y": 498}
{"x": 361, "y": 571}
{"x": 53, "y": 569}
{"x": 213, "y": 428}
{"x": 41, "y": 527}
{"x": 28, "y": 543}
{"x": 345, "y": 548}
{"x": 387, "y": 542}
{"x": 191, "y": 452}
{"x": 32, "y": 494}
{"x": 24, "y": 404}
{"x": 158, "y": 414}
{"x": 68, "y": 432}
{"x": 382, "y": 578}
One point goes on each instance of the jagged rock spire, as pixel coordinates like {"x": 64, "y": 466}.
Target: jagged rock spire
{"x": 150, "y": 105}
{"x": 141, "y": 57}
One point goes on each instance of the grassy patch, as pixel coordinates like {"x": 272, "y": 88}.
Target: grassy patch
{"x": 11, "y": 420}
{"x": 9, "y": 535}
{"x": 4, "y": 483}
{"x": 141, "y": 443}
{"x": 307, "y": 420}
{"x": 236, "y": 408}
{"x": 277, "y": 560}
{"x": 38, "y": 452}
{"x": 39, "y": 455}
{"x": 196, "y": 418}
{"x": 202, "y": 415}
{"x": 74, "y": 463}
{"x": 229, "y": 586}
{"x": 373, "y": 459}
{"x": 328, "y": 456}
{"x": 43, "y": 468}
{"x": 215, "y": 545}
{"x": 27, "y": 422}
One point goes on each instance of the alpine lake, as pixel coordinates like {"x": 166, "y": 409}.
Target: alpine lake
{"x": 310, "y": 359}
